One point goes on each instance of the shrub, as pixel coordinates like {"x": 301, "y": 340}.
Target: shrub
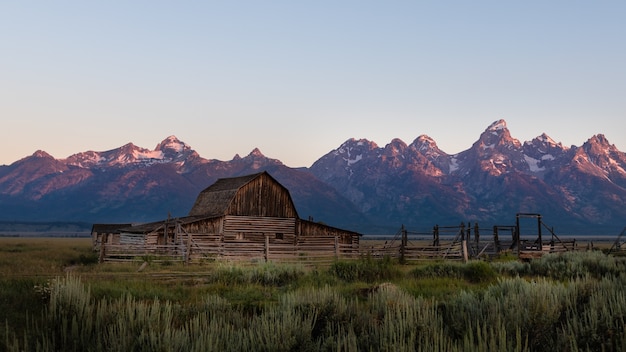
{"x": 267, "y": 274}
{"x": 474, "y": 271}
{"x": 512, "y": 268}
{"x": 439, "y": 270}
{"x": 478, "y": 272}
{"x": 571, "y": 265}
{"x": 365, "y": 269}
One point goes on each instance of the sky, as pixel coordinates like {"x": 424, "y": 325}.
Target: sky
{"x": 296, "y": 79}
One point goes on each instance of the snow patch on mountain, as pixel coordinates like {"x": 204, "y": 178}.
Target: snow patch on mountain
{"x": 143, "y": 155}
{"x": 533, "y": 164}
{"x": 454, "y": 165}
{"x": 355, "y": 160}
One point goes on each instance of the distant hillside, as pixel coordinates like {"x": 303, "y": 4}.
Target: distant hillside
{"x": 50, "y": 229}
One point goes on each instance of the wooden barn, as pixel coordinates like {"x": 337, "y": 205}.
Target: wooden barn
{"x": 249, "y": 218}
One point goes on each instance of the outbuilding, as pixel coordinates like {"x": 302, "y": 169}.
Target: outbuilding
{"x": 249, "y": 218}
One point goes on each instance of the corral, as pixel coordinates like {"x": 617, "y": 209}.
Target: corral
{"x": 464, "y": 242}
{"x": 251, "y": 218}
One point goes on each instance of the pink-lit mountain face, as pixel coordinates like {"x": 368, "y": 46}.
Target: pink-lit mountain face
{"x": 359, "y": 185}
{"x": 134, "y": 184}
{"x": 579, "y": 189}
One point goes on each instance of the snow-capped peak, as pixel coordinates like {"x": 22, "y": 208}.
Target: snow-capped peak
{"x": 425, "y": 139}
{"x": 599, "y": 139}
{"x": 546, "y": 139}
{"x": 497, "y": 135}
{"x": 497, "y": 126}
{"x": 41, "y": 154}
{"x": 170, "y": 149}
{"x": 172, "y": 144}
{"x": 256, "y": 152}
{"x": 424, "y": 143}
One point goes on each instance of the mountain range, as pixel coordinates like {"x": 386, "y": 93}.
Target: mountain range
{"x": 358, "y": 186}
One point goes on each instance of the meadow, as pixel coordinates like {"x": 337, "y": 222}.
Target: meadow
{"x": 55, "y": 297}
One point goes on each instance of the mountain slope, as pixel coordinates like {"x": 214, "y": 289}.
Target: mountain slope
{"x": 133, "y": 184}
{"x": 358, "y": 186}
{"x": 580, "y": 188}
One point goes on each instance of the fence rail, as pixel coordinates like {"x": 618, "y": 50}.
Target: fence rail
{"x": 458, "y": 243}
{"x": 304, "y": 251}
{"x": 417, "y": 252}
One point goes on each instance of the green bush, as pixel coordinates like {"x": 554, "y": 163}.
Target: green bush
{"x": 512, "y": 268}
{"x": 571, "y": 265}
{"x": 439, "y": 270}
{"x": 365, "y": 269}
{"x": 268, "y": 274}
{"x": 479, "y": 272}
{"x": 474, "y": 271}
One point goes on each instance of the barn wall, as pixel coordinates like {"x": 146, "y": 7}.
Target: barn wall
{"x": 206, "y": 238}
{"x": 250, "y": 224}
{"x": 263, "y": 197}
{"x": 207, "y": 226}
{"x": 312, "y": 229}
{"x": 247, "y": 237}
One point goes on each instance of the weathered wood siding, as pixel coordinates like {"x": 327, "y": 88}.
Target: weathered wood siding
{"x": 248, "y": 237}
{"x": 242, "y": 224}
{"x": 313, "y": 229}
{"x": 212, "y": 225}
{"x": 262, "y": 197}
{"x": 105, "y": 232}
{"x": 204, "y": 238}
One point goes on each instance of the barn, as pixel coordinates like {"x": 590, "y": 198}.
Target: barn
{"x": 246, "y": 218}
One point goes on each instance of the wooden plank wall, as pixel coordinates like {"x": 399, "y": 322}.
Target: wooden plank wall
{"x": 263, "y": 197}
{"x": 237, "y": 238}
{"x": 244, "y": 241}
{"x": 243, "y": 224}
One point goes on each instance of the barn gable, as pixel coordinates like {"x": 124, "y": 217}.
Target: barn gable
{"x": 252, "y": 195}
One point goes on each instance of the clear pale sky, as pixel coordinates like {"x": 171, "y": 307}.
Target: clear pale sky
{"x": 298, "y": 78}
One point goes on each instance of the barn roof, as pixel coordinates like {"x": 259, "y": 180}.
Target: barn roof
{"x": 108, "y": 228}
{"x": 153, "y": 226}
{"x": 215, "y": 199}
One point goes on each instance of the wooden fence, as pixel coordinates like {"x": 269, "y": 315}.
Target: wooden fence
{"x": 415, "y": 252}
{"x": 304, "y": 250}
{"x": 619, "y": 246}
{"x": 457, "y": 243}
{"x": 464, "y": 243}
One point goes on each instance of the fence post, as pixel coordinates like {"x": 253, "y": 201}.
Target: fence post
{"x": 267, "y": 248}
{"x": 462, "y": 231}
{"x": 189, "y": 247}
{"x": 477, "y": 234}
{"x": 336, "y": 248}
{"x": 464, "y": 242}
{"x": 464, "y": 245}
{"x": 496, "y": 239}
{"x": 103, "y": 240}
{"x": 516, "y": 236}
{"x": 539, "y": 232}
{"x": 403, "y": 245}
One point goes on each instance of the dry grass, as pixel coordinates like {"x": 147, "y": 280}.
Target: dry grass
{"x": 42, "y": 256}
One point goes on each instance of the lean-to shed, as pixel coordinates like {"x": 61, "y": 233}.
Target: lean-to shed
{"x": 249, "y": 217}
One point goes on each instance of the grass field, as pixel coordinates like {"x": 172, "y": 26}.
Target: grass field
{"x": 54, "y": 296}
